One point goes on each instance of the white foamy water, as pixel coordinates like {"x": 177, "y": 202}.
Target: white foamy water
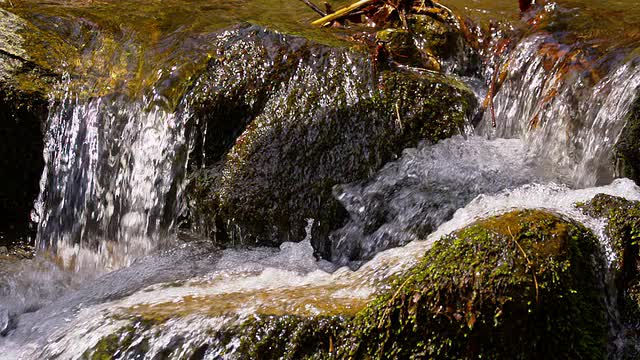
{"x": 411, "y": 196}
{"x": 239, "y": 284}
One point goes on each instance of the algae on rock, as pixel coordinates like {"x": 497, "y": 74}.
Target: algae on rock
{"x": 517, "y": 286}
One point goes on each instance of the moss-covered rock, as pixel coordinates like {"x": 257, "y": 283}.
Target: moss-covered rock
{"x": 21, "y": 69}
{"x": 308, "y": 117}
{"x": 439, "y": 39}
{"x": 518, "y": 286}
{"x": 120, "y": 344}
{"x": 289, "y": 337}
{"x": 623, "y": 232}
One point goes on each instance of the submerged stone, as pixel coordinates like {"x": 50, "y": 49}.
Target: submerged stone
{"x": 298, "y": 119}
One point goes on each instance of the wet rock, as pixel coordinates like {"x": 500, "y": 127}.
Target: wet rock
{"x": 23, "y": 109}
{"x": 627, "y": 150}
{"x": 3, "y": 250}
{"x": 522, "y": 285}
{"x": 288, "y": 119}
{"x": 438, "y": 38}
{"x": 434, "y": 42}
{"x": 21, "y": 69}
{"x": 260, "y": 337}
{"x": 623, "y": 232}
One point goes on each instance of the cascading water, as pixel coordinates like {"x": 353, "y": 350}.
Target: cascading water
{"x": 111, "y": 181}
{"x": 566, "y": 104}
{"x": 410, "y": 197}
{"x": 202, "y": 293}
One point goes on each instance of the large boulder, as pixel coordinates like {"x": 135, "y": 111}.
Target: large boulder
{"x": 527, "y": 284}
{"x": 283, "y": 120}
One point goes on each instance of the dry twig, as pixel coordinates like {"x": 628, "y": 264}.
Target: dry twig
{"x": 342, "y": 12}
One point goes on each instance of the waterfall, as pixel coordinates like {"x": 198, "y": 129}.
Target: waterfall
{"x": 566, "y": 103}
{"x": 110, "y": 187}
{"x": 112, "y": 191}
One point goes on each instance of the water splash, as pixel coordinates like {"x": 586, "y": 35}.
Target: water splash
{"x": 110, "y": 185}
{"x": 410, "y": 197}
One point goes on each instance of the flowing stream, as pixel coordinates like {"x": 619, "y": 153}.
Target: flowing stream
{"x": 112, "y": 190}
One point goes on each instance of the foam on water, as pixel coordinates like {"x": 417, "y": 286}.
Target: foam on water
{"x": 237, "y": 284}
{"x": 410, "y": 197}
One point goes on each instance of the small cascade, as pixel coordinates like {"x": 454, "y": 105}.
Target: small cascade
{"x": 112, "y": 189}
{"x": 412, "y": 196}
{"x": 111, "y": 180}
{"x": 567, "y": 102}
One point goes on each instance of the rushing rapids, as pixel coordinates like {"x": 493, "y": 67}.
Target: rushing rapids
{"x": 113, "y": 278}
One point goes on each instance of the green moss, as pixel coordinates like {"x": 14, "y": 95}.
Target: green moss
{"x": 289, "y": 337}
{"x": 521, "y": 285}
{"x": 623, "y": 231}
{"x": 401, "y": 48}
{"x": 113, "y": 345}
